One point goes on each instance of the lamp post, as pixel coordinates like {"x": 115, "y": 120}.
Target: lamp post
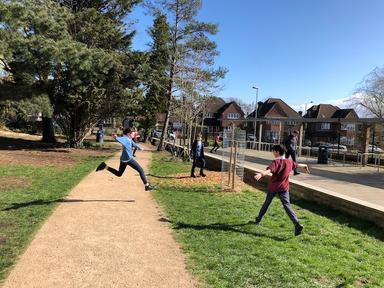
{"x": 257, "y": 107}
{"x": 305, "y": 125}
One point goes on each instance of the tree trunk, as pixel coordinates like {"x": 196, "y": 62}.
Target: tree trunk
{"x": 48, "y": 131}
{"x": 168, "y": 111}
{"x": 165, "y": 129}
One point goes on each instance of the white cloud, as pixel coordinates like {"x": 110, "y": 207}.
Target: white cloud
{"x": 343, "y": 103}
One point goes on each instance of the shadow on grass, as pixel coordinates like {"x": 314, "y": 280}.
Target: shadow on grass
{"x": 236, "y": 228}
{"x": 16, "y": 206}
{"x": 22, "y": 144}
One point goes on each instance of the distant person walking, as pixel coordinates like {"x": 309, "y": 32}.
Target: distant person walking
{"x": 126, "y": 158}
{"x": 279, "y": 184}
{"x": 197, "y": 153}
{"x": 217, "y": 144}
{"x": 291, "y": 148}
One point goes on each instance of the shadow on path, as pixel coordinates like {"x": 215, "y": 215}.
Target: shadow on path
{"x": 40, "y": 202}
{"x": 169, "y": 177}
{"x": 224, "y": 227}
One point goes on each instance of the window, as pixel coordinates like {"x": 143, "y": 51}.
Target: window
{"x": 209, "y": 115}
{"x": 350, "y": 141}
{"x": 291, "y": 123}
{"x": 233, "y": 116}
{"x": 350, "y": 127}
{"x": 325, "y": 126}
{"x": 274, "y": 135}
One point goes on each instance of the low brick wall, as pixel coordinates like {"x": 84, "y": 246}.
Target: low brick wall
{"x": 345, "y": 204}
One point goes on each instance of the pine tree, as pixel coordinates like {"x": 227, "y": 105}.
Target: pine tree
{"x": 74, "y": 53}
{"x": 157, "y": 71}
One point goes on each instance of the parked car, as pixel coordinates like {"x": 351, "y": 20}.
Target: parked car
{"x": 375, "y": 149}
{"x": 333, "y": 148}
{"x": 251, "y": 138}
{"x": 157, "y": 133}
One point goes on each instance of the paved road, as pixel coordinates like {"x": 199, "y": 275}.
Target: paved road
{"x": 106, "y": 233}
{"x": 362, "y": 183}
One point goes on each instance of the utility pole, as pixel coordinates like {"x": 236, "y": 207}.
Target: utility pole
{"x": 256, "y": 108}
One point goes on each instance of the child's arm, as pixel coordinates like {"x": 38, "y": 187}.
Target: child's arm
{"x": 304, "y": 166}
{"x": 260, "y": 175}
{"x": 134, "y": 144}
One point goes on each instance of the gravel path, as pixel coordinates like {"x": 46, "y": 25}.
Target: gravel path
{"x": 106, "y": 233}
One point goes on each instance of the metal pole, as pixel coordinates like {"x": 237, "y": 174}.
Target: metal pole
{"x": 257, "y": 107}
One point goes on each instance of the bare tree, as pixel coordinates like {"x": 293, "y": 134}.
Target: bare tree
{"x": 370, "y": 95}
{"x": 247, "y": 108}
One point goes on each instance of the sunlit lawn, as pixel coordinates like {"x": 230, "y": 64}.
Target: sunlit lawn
{"x": 224, "y": 250}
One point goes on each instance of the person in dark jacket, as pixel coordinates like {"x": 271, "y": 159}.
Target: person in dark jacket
{"x": 197, "y": 153}
{"x": 291, "y": 148}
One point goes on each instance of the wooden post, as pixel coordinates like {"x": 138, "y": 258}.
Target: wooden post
{"x": 234, "y": 167}
{"x": 301, "y": 133}
{"x": 365, "y": 143}
{"x": 231, "y": 153}
{"x": 260, "y": 134}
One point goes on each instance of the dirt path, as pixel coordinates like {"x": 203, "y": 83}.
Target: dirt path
{"x": 106, "y": 234}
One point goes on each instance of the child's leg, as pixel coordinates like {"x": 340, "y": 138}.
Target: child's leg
{"x": 133, "y": 163}
{"x": 284, "y": 197}
{"x": 202, "y": 161}
{"x": 119, "y": 173}
{"x": 265, "y": 206}
{"x": 294, "y": 159}
{"x": 193, "y": 167}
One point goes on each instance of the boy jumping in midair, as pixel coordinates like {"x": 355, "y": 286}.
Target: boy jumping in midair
{"x": 126, "y": 158}
{"x": 279, "y": 184}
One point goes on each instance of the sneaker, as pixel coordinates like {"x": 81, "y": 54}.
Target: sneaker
{"x": 296, "y": 173}
{"x": 102, "y": 166}
{"x": 148, "y": 188}
{"x": 203, "y": 175}
{"x": 193, "y": 175}
{"x": 298, "y": 229}
{"x": 257, "y": 221}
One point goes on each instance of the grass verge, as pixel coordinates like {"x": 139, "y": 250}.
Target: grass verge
{"x": 23, "y": 208}
{"x": 224, "y": 250}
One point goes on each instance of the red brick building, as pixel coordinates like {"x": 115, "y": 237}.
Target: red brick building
{"x": 219, "y": 115}
{"x": 274, "y": 130}
{"x": 331, "y": 132}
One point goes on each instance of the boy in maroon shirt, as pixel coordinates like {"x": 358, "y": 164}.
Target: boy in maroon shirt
{"x": 279, "y": 184}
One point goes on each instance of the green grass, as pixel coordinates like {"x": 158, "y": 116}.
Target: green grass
{"x": 23, "y": 210}
{"x": 224, "y": 250}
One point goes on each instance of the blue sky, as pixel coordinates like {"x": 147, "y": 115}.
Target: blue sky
{"x": 297, "y": 50}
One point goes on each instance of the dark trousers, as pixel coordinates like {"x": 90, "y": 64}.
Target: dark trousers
{"x": 284, "y": 198}
{"x": 134, "y": 149}
{"x": 215, "y": 147}
{"x": 132, "y": 163}
{"x": 194, "y": 164}
{"x": 291, "y": 153}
